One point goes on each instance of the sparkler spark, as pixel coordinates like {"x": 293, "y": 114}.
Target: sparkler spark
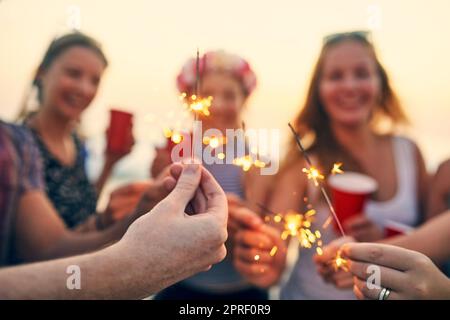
{"x": 297, "y": 225}
{"x": 214, "y": 141}
{"x": 339, "y": 263}
{"x": 196, "y": 104}
{"x": 337, "y": 168}
{"x": 175, "y": 136}
{"x": 314, "y": 173}
{"x": 273, "y": 251}
{"x": 247, "y": 161}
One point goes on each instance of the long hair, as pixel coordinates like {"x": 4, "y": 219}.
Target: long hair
{"x": 313, "y": 122}
{"x": 56, "y": 48}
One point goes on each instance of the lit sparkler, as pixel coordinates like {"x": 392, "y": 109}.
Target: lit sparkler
{"x": 196, "y": 103}
{"x": 337, "y": 168}
{"x": 296, "y": 225}
{"x": 175, "y": 136}
{"x": 315, "y": 175}
{"x": 249, "y": 160}
{"x": 339, "y": 263}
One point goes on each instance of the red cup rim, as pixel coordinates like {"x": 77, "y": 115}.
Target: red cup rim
{"x": 353, "y": 182}
{"x": 121, "y": 112}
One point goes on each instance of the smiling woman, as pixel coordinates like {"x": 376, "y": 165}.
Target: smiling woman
{"x": 67, "y": 80}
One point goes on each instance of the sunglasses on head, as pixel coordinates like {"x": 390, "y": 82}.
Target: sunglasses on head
{"x": 335, "y": 37}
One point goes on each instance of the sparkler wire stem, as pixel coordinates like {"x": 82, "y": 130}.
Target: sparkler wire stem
{"x": 322, "y": 189}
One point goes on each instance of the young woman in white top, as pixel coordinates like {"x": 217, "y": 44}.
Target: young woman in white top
{"x": 348, "y": 98}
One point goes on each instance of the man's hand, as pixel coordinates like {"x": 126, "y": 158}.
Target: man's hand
{"x": 172, "y": 244}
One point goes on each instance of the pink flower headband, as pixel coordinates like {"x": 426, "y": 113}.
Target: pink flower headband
{"x": 217, "y": 61}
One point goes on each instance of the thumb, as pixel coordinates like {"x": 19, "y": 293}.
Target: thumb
{"x": 187, "y": 184}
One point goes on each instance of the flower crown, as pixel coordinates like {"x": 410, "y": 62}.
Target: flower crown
{"x": 216, "y": 61}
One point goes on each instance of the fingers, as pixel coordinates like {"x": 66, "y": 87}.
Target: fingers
{"x": 251, "y": 270}
{"x": 358, "y": 294}
{"x": 252, "y": 255}
{"x": 381, "y": 254}
{"x": 175, "y": 170}
{"x": 389, "y": 278}
{"x": 330, "y": 251}
{"x": 255, "y": 239}
{"x": 216, "y": 200}
{"x": 363, "y": 291}
{"x": 199, "y": 203}
{"x": 186, "y": 186}
{"x": 169, "y": 183}
{"x": 234, "y": 200}
{"x": 273, "y": 233}
{"x": 245, "y": 217}
{"x": 343, "y": 279}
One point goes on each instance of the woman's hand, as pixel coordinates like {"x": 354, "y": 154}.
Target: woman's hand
{"x": 112, "y": 157}
{"x": 254, "y": 258}
{"x": 407, "y": 274}
{"x": 123, "y": 201}
{"x": 240, "y": 217}
{"x": 363, "y": 229}
{"x": 326, "y": 268}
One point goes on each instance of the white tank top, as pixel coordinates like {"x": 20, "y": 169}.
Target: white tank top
{"x": 304, "y": 282}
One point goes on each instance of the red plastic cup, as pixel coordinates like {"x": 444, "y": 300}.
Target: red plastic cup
{"x": 350, "y": 192}
{"x": 393, "y": 228}
{"x": 120, "y": 126}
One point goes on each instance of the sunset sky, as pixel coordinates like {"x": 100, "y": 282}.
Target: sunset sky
{"x": 148, "y": 41}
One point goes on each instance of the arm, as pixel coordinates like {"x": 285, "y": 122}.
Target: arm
{"x": 423, "y": 184}
{"x": 122, "y": 202}
{"x": 138, "y": 265}
{"x": 431, "y": 238}
{"x": 439, "y": 190}
{"x": 41, "y": 234}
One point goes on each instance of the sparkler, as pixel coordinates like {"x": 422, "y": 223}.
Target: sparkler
{"x": 339, "y": 263}
{"x": 337, "y": 168}
{"x": 195, "y": 103}
{"x": 296, "y": 225}
{"x": 175, "y": 136}
{"x": 315, "y": 175}
{"x": 246, "y": 162}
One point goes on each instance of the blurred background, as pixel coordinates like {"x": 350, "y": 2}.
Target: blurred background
{"x": 148, "y": 41}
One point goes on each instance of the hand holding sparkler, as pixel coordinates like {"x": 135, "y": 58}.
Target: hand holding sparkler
{"x": 314, "y": 174}
{"x": 260, "y": 255}
{"x": 332, "y": 266}
{"x": 239, "y": 216}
